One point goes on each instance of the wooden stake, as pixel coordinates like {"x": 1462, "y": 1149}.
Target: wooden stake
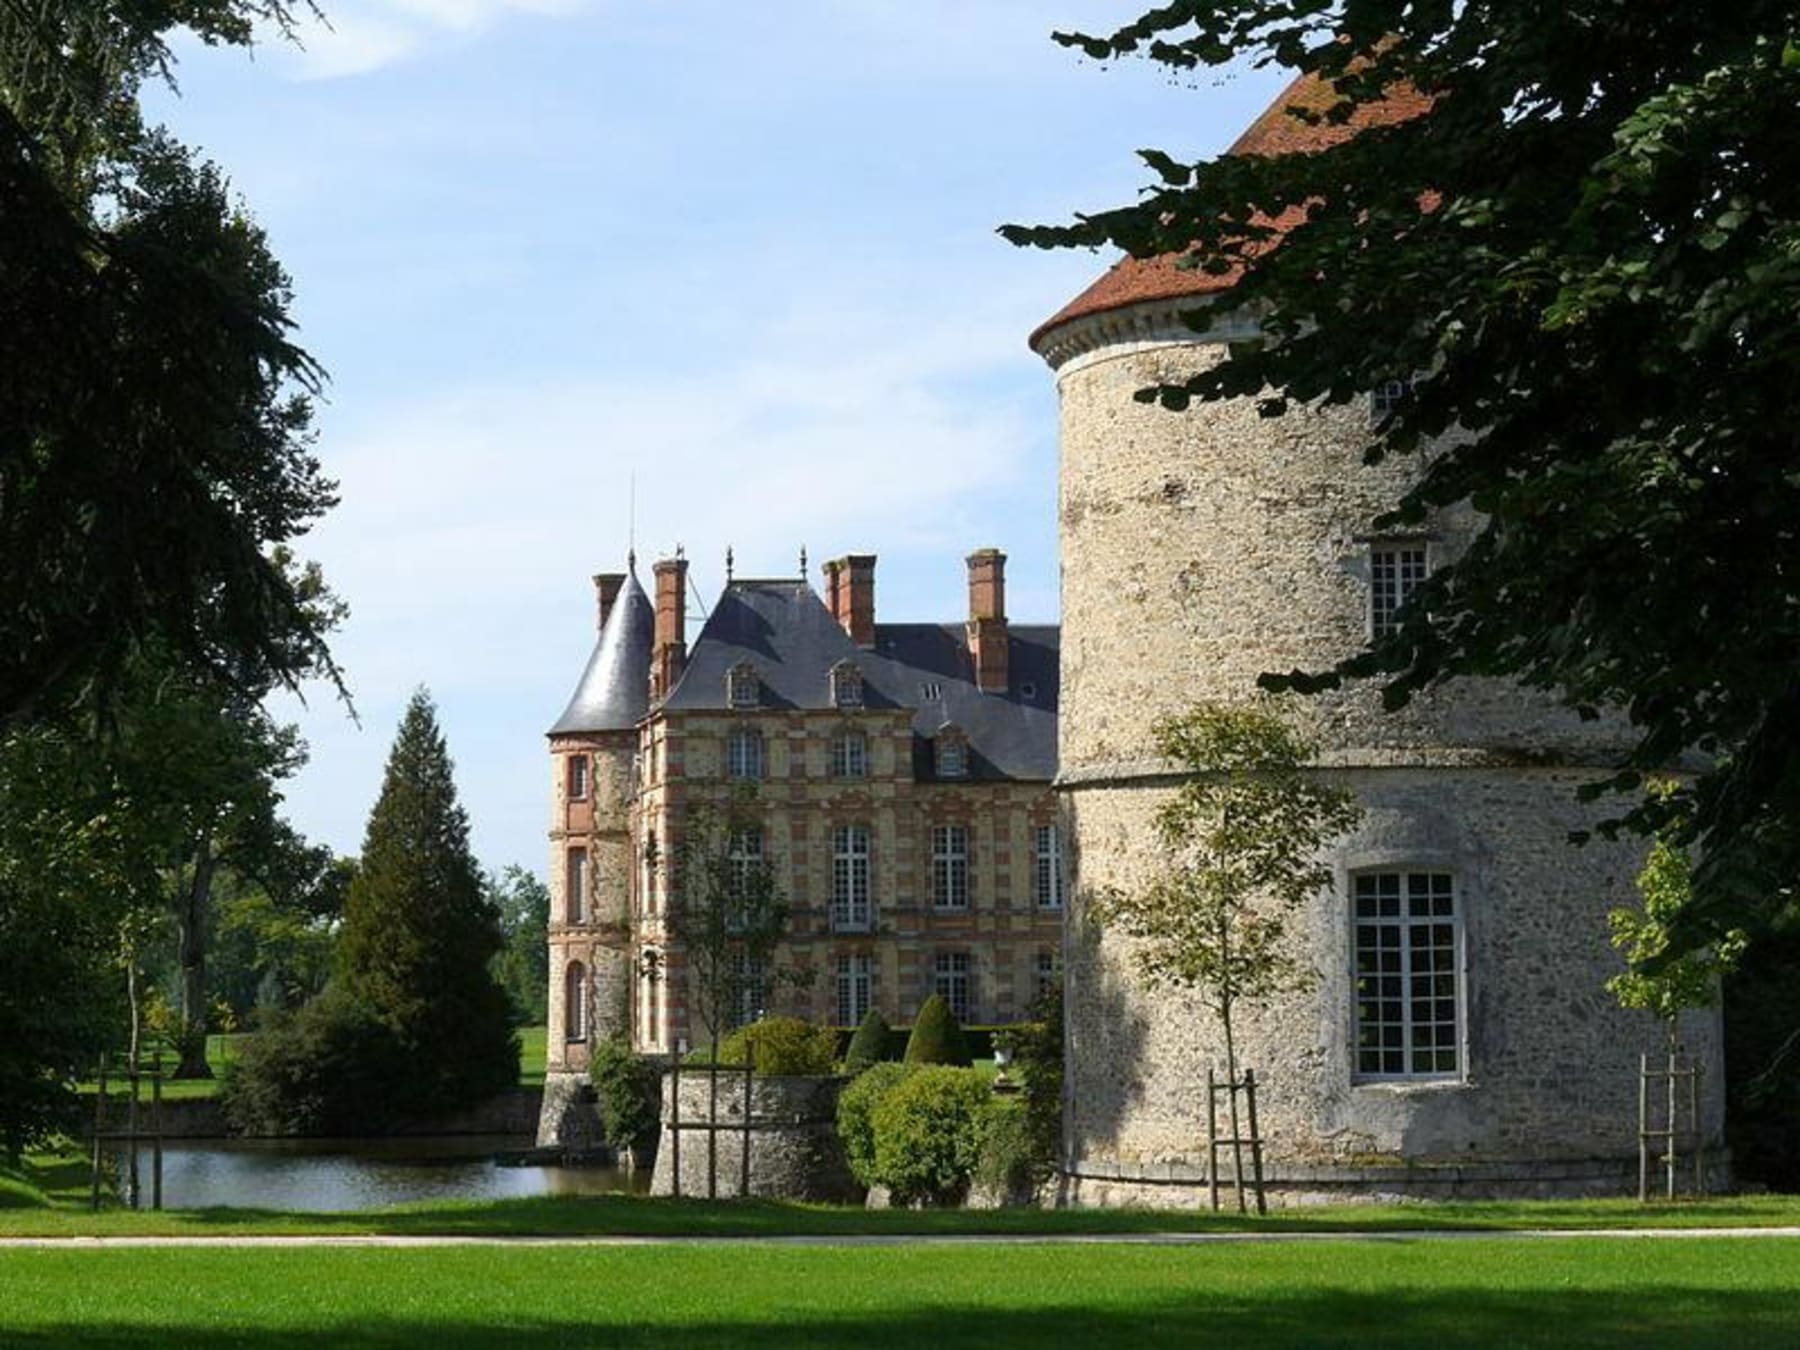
{"x": 99, "y": 1129}
{"x": 1256, "y": 1170}
{"x": 675, "y": 1121}
{"x": 1669, "y": 1158}
{"x": 1212, "y": 1139}
{"x": 156, "y": 1133}
{"x": 749, "y": 1080}
{"x": 1644, "y": 1129}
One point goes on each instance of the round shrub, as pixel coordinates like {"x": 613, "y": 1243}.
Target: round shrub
{"x": 784, "y": 1046}
{"x": 936, "y": 1036}
{"x": 928, "y": 1134}
{"x": 856, "y": 1115}
{"x": 869, "y": 1045}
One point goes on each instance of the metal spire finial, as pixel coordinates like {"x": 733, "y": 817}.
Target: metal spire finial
{"x": 803, "y": 562}
{"x": 728, "y": 562}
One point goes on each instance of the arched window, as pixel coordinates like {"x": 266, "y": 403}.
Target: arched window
{"x": 846, "y": 685}
{"x": 575, "y": 881}
{"x": 743, "y": 688}
{"x": 575, "y": 1002}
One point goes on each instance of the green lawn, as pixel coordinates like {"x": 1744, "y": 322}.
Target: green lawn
{"x": 1586, "y": 1292}
{"x": 220, "y": 1049}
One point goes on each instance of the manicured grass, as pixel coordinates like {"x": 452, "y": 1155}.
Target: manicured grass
{"x": 1587, "y": 1292}
{"x": 531, "y": 1056}
{"x": 221, "y": 1049}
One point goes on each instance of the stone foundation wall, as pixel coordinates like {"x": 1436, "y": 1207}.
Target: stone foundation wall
{"x": 570, "y": 1116}
{"x": 795, "y": 1153}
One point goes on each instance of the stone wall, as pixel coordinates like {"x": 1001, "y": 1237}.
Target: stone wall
{"x": 1199, "y": 550}
{"x": 795, "y": 1153}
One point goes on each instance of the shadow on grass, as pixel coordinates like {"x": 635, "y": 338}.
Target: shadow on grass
{"x": 1447, "y": 1317}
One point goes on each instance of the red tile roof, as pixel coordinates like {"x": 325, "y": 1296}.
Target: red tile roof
{"x": 1275, "y": 132}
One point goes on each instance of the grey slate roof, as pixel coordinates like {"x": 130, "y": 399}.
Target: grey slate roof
{"x": 784, "y": 630}
{"x": 614, "y": 693}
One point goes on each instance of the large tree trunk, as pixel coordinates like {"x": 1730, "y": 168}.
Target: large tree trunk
{"x": 190, "y": 923}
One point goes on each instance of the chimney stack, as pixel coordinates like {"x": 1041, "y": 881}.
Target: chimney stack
{"x": 668, "y": 658}
{"x": 987, "y": 619}
{"x": 606, "y": 590}
{"x": 850, "y": 595}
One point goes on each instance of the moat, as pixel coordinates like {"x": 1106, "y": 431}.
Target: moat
{"x": 352, "y": 1174}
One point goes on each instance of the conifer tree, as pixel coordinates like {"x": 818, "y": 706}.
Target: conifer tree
{"x": 419, "y": 931}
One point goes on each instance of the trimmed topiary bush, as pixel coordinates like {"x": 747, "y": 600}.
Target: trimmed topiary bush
{"x": 936, "y": 1036}
{"x": 928, "y": 1134}
{"x": 869, "y": 1046}
{"x": 856, "y": 1112}
{"x": 784, "y": 1046}
{"x": 625, "y": 1083}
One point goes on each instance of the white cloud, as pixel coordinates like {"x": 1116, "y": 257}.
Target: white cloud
{"x": 382, "y": 32}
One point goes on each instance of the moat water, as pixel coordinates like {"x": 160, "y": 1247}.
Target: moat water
{"x": 350, "y": 1174}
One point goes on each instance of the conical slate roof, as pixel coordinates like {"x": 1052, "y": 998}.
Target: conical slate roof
{"x": 614, "y": 693}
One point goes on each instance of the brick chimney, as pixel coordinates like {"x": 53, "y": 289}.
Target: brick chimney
{"x": 668, "y": 658}
{"x": 850, "y": 595}
{"x": 987, "y": 619}
{"x": 606, "y": 590}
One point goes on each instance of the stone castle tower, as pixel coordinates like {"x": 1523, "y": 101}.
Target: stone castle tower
{"x": 592, "y": 749}
{"x": 1458, "y": 1038}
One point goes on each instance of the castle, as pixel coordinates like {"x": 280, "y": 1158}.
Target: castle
{"x": 1459, "y": 1038}
{"x": 903, "y": 796}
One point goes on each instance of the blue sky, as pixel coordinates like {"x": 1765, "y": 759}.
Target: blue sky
{"x": 745, "y": 252}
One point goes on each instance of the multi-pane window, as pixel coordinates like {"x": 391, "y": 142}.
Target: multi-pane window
{"x": 1408, "y": 987}
{"x": 850, "y": 755}
{"x": 855, "y": 988}
{"x": 575, "y": 882}
{"x": 952, "y": 755}
{"x": 647, "y": 885}
{"x": 850, "y": 907}
{"x": 953, "y": 980}
{"x": 846, "y": 686}
{"x": 649, "y": 1032}
{"x": 949, "y": 867}
{"x": 1047, "y": 873}
{"x": 742, "y": 687}
{"x": 1386, "y": 397}
{"x": 1395, "y": 570}
{"x": 744, "y": 754}
{"x": 752, "y": 988}
{"x": 578, "y": 777}
{"x": 1046, "y": 970}
{"x": 744, "y": 856}
{"x": 575, "y": 1003}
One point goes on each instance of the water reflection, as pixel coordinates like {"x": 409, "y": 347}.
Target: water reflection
{"x": 345, "y": 1174}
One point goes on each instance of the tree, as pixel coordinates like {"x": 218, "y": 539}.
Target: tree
{"x": 1580, "y": 247}
{"x": 154, "y": 443}
{"x": 1665, "y": 985}
{"x": 728, "y": 914}
{"x": 420, "y": 933}
{"x": 1244, "y": 836}
{"x": 523, "y": 964}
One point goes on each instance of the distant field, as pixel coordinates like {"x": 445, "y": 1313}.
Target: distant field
{"x": 1595, "y": 1293}
{"x": 221, "y": 1050}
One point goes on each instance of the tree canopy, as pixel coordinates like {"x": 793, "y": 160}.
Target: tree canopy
{"x": 1584, "y": 252}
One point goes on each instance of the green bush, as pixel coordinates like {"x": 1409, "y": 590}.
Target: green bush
{"x": 928, "y": 1134}
{"x": 936, "y": 1036}
{"x": 856, "y": 1115}
{"x": 625, "y": 1083}
{"x": 784, "y": 1046}
{"x": 1037, "y": 1063}
{"x": 329, "y": 1069}
{"x": 1007, "y": 1162}
{"x": 869, "y": 1046}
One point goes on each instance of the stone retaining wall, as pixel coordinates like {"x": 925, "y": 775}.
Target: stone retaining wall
{"x": 795, "y": 1153}
{"x": 514, "y": 1112}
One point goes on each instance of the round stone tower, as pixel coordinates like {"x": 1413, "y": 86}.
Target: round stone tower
{"x": 592, "y": 747}
{"x": 1458, "y": 1038}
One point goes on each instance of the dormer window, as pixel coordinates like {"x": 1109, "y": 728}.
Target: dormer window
{"x": 743, "y": 688}
{"x": 951, "y": 752}
{"x": 846, "y": 685}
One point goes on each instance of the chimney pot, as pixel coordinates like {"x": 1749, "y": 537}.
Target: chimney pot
{"x": 850, "y": 595}
{"x": 668, "y": 657}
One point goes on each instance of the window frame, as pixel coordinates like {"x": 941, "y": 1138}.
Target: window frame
{"x": 852, "y": 870}
{"x": 950, "y": 868}
{"x": 746, "y": 755}
{"x": 577, "y": 780}
{"x": 855, "y": 971}
{"x": 576, "y": 885}
{"x": 1452, "y": 953}
{"x": 841, "y": 758}
{"x": 743, "y": 687}
{"x": 1049, "y": 887}
{"x": 944, "y": 982}
{"x": 847, "y": 686}
{"x": 947, "y": 743}
{"x": 1381, "y": 617}
{"x": 575, "y": 999}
